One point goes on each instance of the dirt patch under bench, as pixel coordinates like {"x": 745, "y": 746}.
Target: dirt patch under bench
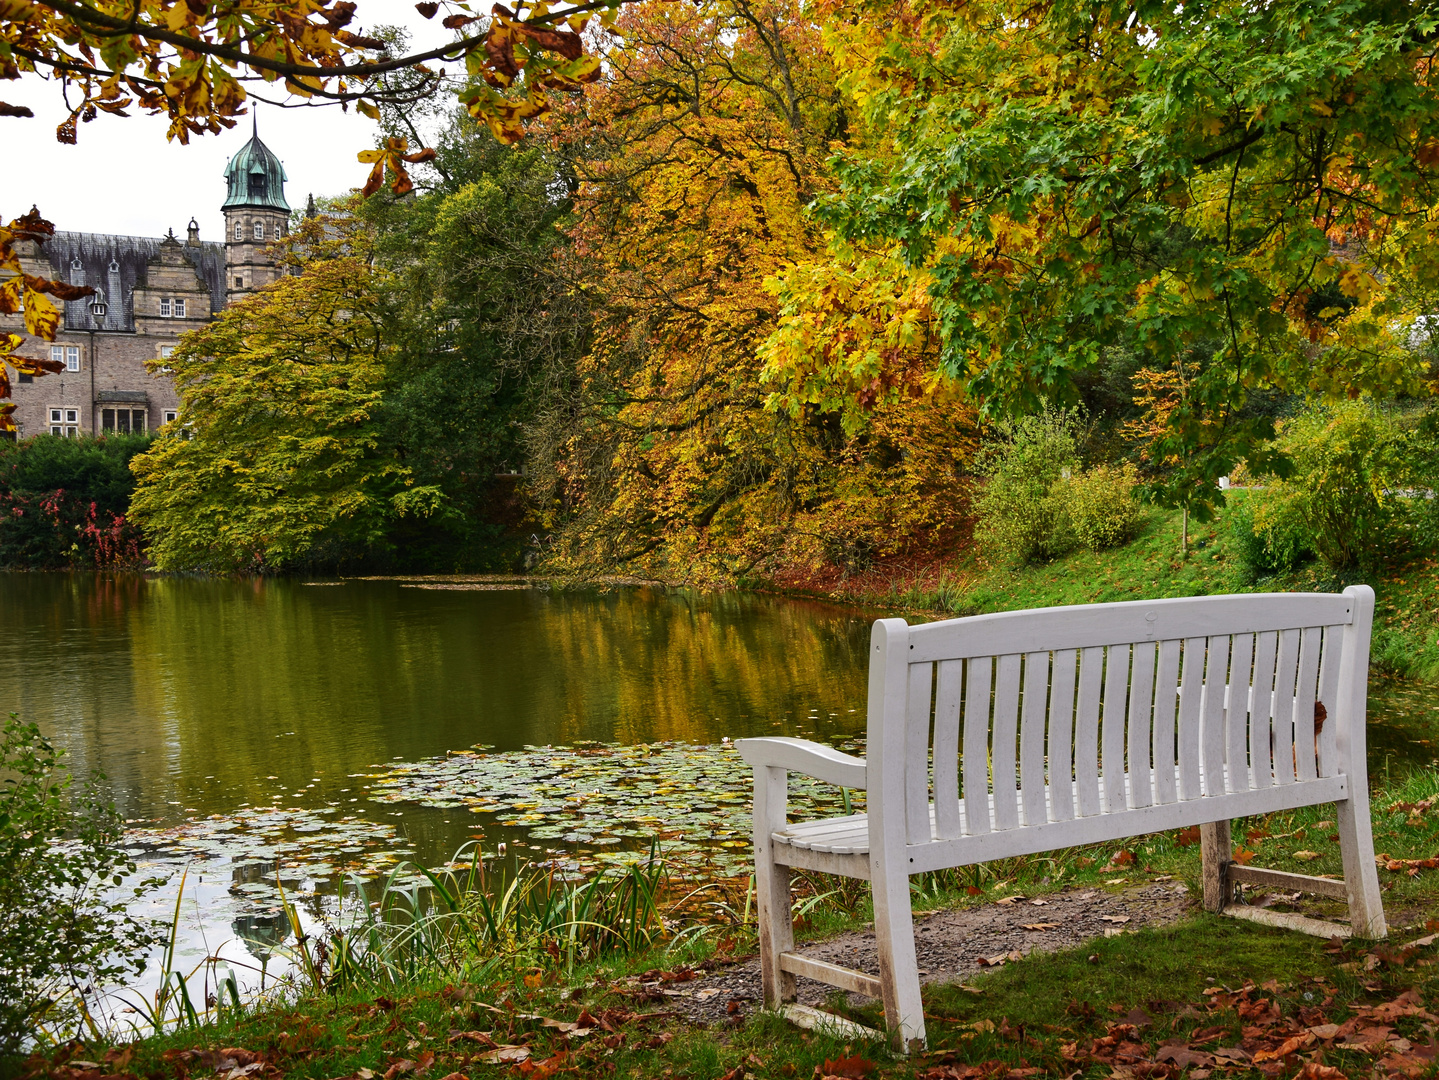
{"x": 951, "y": 946}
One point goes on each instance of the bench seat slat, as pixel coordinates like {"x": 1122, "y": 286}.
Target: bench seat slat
{"x": 850, "y": 835}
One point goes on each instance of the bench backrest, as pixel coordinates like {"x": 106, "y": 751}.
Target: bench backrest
{"x": 1078, "y": 711}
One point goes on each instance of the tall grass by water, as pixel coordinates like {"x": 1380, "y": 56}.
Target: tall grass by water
{"x": 476, "y": 920}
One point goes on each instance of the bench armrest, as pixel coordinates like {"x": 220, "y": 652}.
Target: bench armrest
{"x": 808, "y": 758}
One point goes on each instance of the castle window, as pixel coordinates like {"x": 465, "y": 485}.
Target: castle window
{"x": 179, "y": 309}
{"x": 69, "y": 355}
{"x": 171, "y": 415}
{"x": 164, "y": 307}
{"x": 125, "y": 420}
{"x": 239, "y": 231}
{"x": 239, "y": 283}
{"x": 166, "y": 351}
{"x": 259, "y": 230}
{"x": 65, "y": 422}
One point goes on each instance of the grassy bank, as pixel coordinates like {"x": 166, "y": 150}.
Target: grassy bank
{"x": 1205, "y": 985}
{"x": 1406, "y": 632}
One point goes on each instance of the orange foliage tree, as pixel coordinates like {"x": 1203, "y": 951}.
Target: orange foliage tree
{"x": 695, "y": 159}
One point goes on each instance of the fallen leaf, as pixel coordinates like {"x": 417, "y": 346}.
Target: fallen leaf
{"x": 508, "y": 1054}
{"x": 1315, "y": 1071}
{"x": 481, "y": 1037}
{"x": 1039, "y": 903}
{"x": 1040, "y": 926}
{"x": 855, "y": 1067}
{"x": 1188, "y": 836}
{"x": 1183, "y": 1057}
{"x": 1114, "y": 918}
{"x": 1122, "y": 857}
{"x": 1284, "y": 1049}
{"x": 1242, "y": 855}
{"x": 1324, "y": 1031}
{"x": 1116, "y": 881}
{"x": 1306, "y": 856}
{"x": 543, "y": 1070}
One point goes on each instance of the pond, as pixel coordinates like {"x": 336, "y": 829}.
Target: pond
{"x": 333, "y": 727}
{"x": 243, "y": 723}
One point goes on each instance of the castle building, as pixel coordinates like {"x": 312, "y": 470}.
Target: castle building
{"x": 152, "y": 291}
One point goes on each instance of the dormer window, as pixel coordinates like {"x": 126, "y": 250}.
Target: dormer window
{"x": 259, "y": 230}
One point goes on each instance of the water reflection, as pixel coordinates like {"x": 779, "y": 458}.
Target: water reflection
{"x": 199, "y": 697}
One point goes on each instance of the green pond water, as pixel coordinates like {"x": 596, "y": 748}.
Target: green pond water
{"x": 202, "y": 697}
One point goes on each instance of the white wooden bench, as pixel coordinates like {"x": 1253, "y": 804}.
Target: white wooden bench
{"x": 1074, "y": 725}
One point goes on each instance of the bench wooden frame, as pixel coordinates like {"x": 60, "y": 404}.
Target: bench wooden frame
{"x": 1090, "y": 723}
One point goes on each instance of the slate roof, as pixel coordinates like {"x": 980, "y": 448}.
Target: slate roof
{"x": 115, "y": 264}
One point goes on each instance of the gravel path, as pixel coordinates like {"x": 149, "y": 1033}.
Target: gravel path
{"x": 949, "y": 945}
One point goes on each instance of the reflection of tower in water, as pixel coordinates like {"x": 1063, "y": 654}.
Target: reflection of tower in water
{"x": 261, "y": 931}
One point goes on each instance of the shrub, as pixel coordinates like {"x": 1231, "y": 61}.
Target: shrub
{"x": 1351, "y": 462}
{"x": 1280, "y": 542}
{"x": 1017, "y": 512}
{"x": 64, "y": 503}
{"x": 1096, "y": 509}
{"x": 63, "y": 926}
{"x": 1039, "y": 504}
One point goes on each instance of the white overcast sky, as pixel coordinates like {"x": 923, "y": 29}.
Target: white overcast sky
{"x": 125, "y": 177}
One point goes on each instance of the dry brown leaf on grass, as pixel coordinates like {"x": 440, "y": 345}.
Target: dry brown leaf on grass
{"x": 481, "y": 1037}
{"x": 854, "y": 1067}
{"x": 1040, "y": 926}
{"x": 1183, "y": 1057}
{"x": 1288, "y": 1046}
{"x": 1313, "y": 1070}
{"x": 509, "y": 1054}
{"x": 543, "y": 1070}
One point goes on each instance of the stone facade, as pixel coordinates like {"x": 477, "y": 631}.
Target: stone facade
{"x": 153, "y": 291}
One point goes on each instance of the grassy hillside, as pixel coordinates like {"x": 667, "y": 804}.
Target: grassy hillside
{"x": 1406, "y": 633}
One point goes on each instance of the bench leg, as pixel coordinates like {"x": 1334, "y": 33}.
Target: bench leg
{"x": 1361, "y": 875}
{"x": 771, "y": 883}
{"x": 898, "y": 967}
{"x": 1214, "y": 847}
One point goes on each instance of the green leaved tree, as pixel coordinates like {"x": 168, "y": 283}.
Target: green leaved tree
{"x": 1231, "y": 187}
{"x": 279, "y": 456}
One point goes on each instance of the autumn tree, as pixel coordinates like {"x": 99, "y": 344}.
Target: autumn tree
{"x": 200, "y": 62}
{"x": 1203, "y": 184}
{"x": 279, "y": 453}
{"x": 695, "y": 159}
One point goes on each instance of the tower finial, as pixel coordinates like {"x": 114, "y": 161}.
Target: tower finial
{"x": 254, "y": 121}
